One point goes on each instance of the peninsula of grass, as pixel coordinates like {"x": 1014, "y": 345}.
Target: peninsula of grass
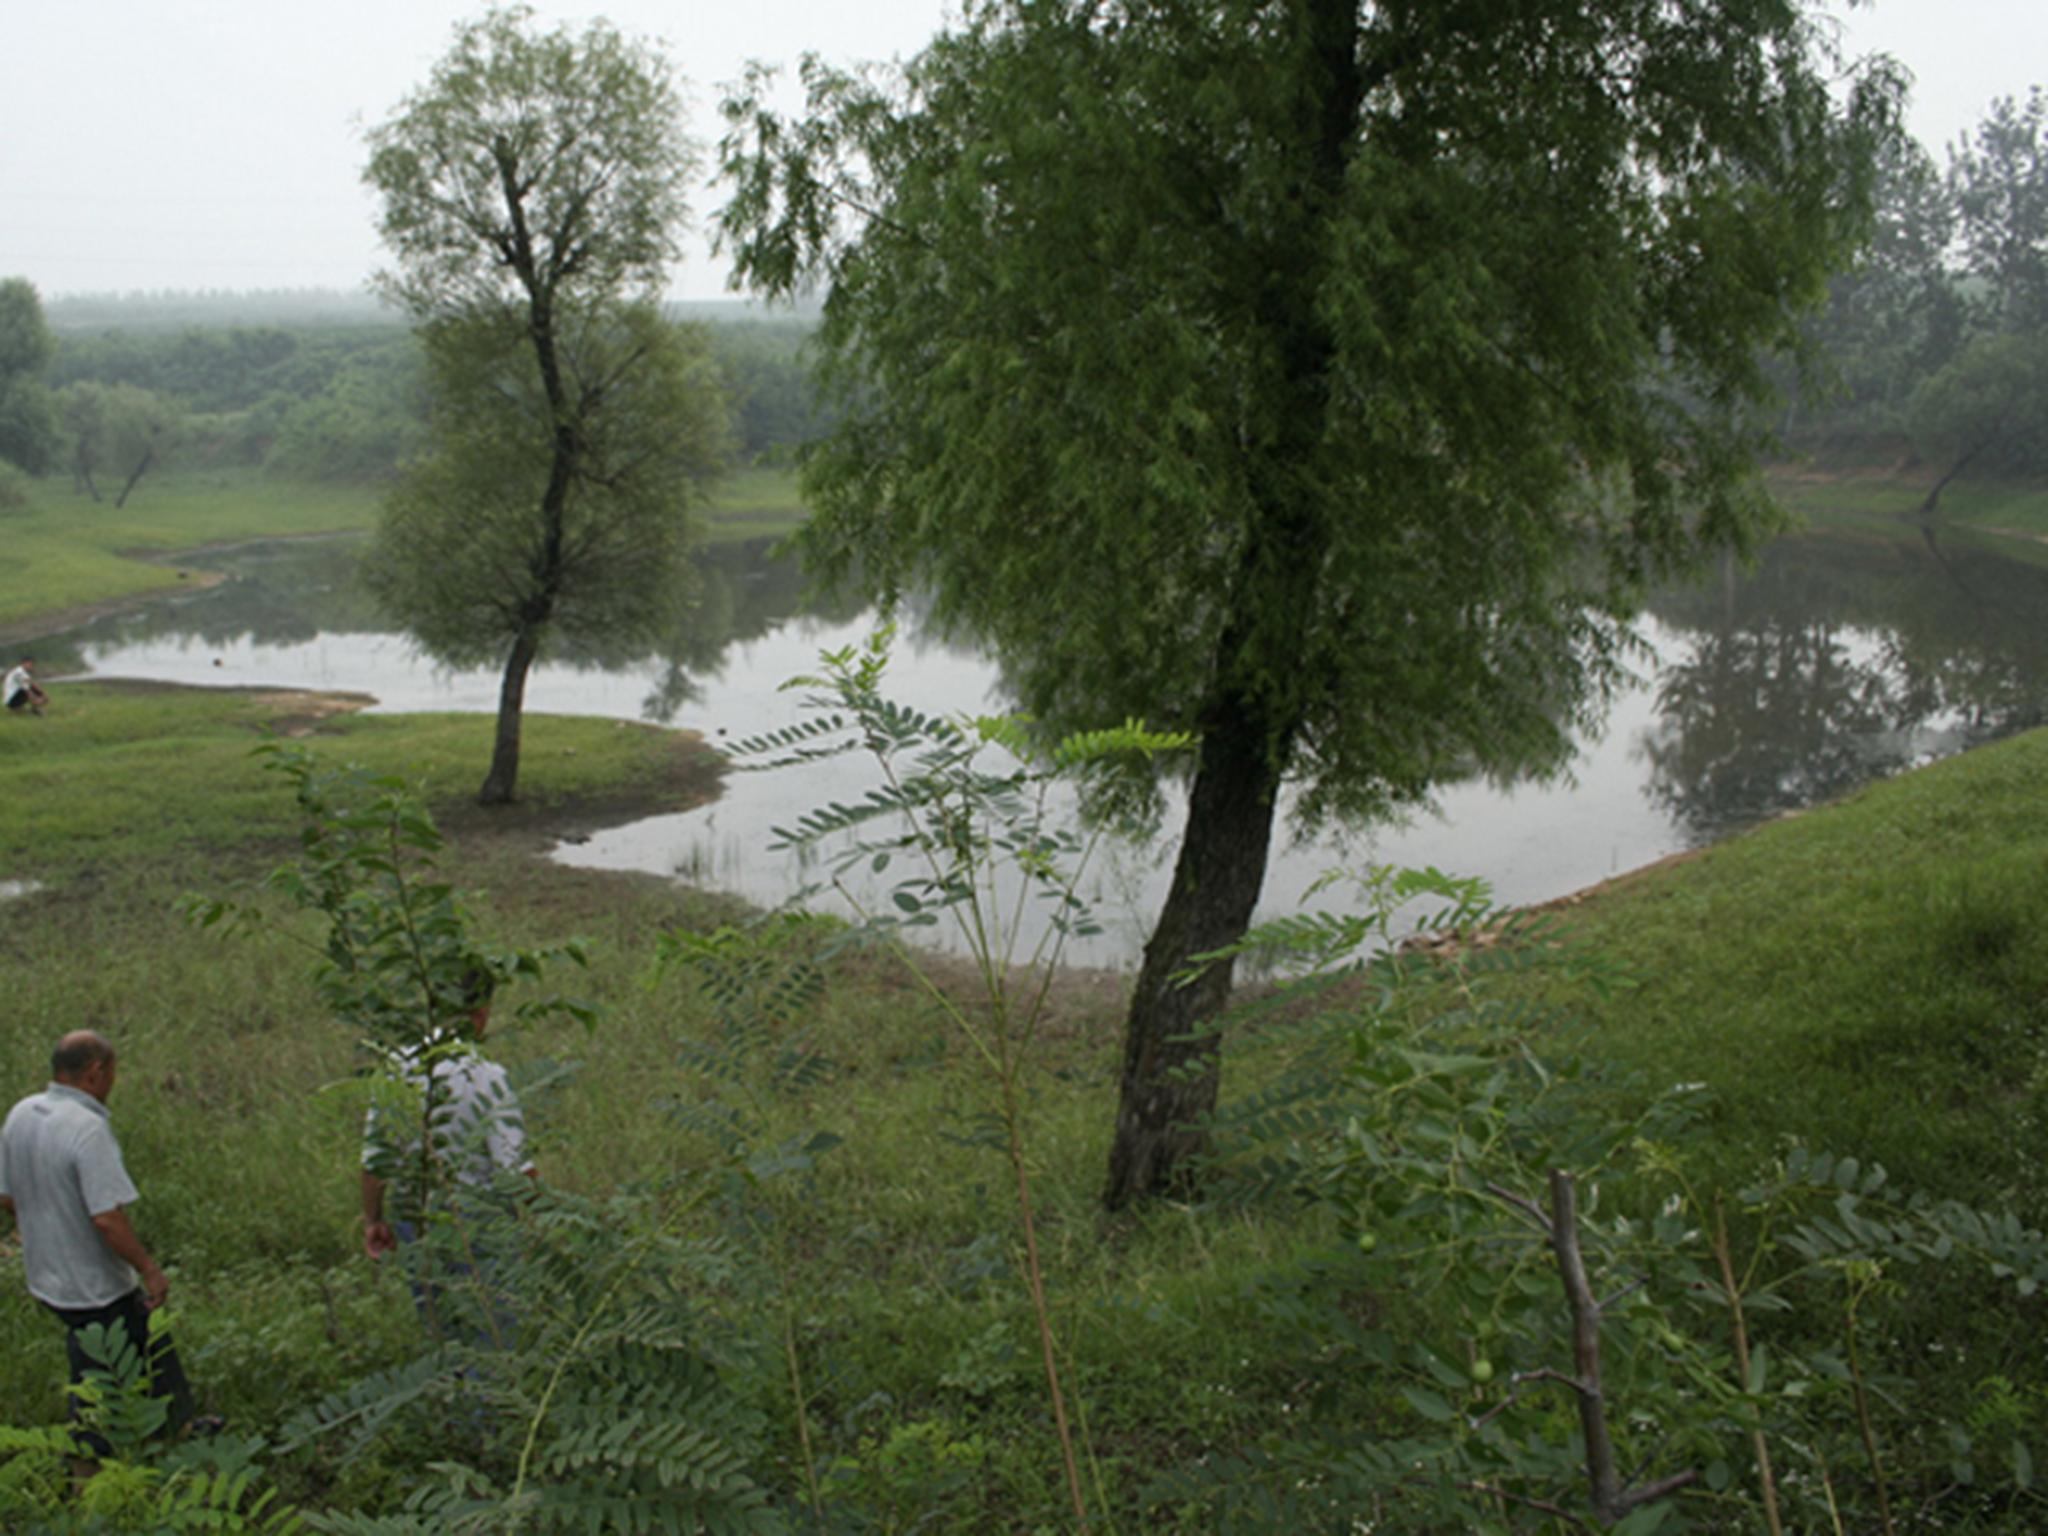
{"x": 68, "y": 554}
{"x": 2008, "y": 507}
{"x": 66, "y": 551}
{"x": 121, "y": 774}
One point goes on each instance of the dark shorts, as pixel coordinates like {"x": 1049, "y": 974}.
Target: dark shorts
{"x": 19, "y": 699}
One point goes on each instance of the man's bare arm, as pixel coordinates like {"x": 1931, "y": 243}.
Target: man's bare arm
{"x": 378, "y": 1238}
{"x": 118, "y": 1234}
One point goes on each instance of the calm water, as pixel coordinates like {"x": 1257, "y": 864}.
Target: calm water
{"x": 1842, "y": 658}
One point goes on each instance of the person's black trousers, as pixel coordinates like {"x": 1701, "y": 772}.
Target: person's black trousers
{"x": 166, "y": 1372}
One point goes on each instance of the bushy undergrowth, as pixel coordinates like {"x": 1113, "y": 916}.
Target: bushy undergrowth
{"x": 837, "y": 1248}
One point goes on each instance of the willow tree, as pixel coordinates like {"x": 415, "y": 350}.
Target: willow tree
{"x": 533, "y": 198}
{"x": 1326, "y": 378}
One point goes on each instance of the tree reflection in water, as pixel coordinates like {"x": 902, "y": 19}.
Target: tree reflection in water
{"x": 1842, "y": 658}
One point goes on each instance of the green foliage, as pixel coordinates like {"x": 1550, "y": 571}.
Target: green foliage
{"x": 114, "y": 1400}
{"x": 1986, "y": 408}
{"x": 1999, "y": 179}
{"x": 584, "y": 129}
{"x": 399, "y": 966}
{"x": 765, "y": 368}
{"x": 533, "y": 194}
{"x": 966, "y": 824}
{"x": 118, "y": 429}
{"x": 608, "y": 1406}
{"x": 1932, "y": 336}
{"x": 28, "y": 424}
{"x": 362, "y": 424}
{"x": 1896, "y": 316}
{"x": 924, "y": 1475}
{"x": 144, "y": 1485}
{"x": 1452, "y": 1100}
{"x": 466, "y": 556}
{"x": 1240, "y": 365}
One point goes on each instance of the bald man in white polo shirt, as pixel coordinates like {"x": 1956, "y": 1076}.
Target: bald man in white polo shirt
{"x": 62, "y": 1178}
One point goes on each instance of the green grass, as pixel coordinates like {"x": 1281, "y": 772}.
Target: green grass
{"x": 2015, "y": 508}
{"x": 65, "y": 551}
{"x": 1869, "y": 977}
{"x": 132, "y": 773}
{"x": 754, "y": 504}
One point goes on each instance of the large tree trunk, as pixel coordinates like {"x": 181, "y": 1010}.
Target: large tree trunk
{"x": 1170, "y": 1074}
{"x": 502, "y": 781}
{"x": 1170, "y": 1050}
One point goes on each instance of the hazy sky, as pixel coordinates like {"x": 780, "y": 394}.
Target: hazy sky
{"x": 217, "y": 144}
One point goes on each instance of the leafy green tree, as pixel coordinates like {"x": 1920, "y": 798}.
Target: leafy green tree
{"x": 532, "y": 195}
{"x": 1998, "y": 175}
{"x": 115, "y": 428}
{"x": 1987, "y": 409}
{"x": 1322, "y": 377}
{"x": 1984, "y": 408}
{"x": 28, "y": 417}
{"x": 1899, "y": 314}
{"x": 140, "y": 431}
{"x": 460, "y": 554}
{"x": 82, "y": 412}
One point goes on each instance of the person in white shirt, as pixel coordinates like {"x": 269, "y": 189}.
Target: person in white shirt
{"x": 474, "y": 1133}
{"x": 21, "y": 691}
{"x": 62, "y": 1179}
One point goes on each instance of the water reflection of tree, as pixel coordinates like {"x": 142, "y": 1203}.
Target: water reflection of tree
{"x": 292, "y": 592}
{"x": 284, "y": 592}
{"x": 741, "y": 592}
{"x": 1840, "y": 659}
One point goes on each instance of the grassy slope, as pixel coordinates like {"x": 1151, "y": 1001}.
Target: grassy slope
{"x": 1871, "y": 976}
{"x": 1868, "y": 976}
{"x": 2012, "y": 508}
{"x": 65, "y": 551}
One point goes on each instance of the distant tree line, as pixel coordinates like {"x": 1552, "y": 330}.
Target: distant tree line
{"x": 330, "y": 399}
{"x": 1935, "y": 346}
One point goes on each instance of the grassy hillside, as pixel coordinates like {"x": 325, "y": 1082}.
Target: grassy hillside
{"x": 66, "y": 552}
{"x": 2009, "y": 508}
{"x": 1866, "y": 978}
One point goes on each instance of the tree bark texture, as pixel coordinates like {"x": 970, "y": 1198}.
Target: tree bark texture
{"x": 502, "y": 781}
{"x": 1169, "y": 1078}
{"x": 1170, "y": 1072}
